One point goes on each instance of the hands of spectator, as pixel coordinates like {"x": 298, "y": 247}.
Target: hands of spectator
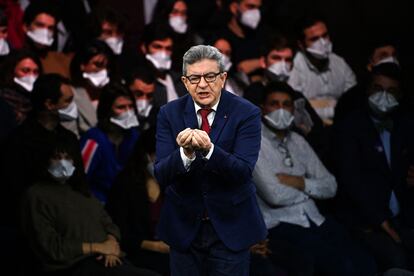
{"x": 297, "y": 182}
{"x": 108, "y": 247}
{"x": 201, "y": 140}
{"x": 410, "y": 176}
{"x": 162, "y": 247}
{"x": 261, "y": 248}
{"x": 184, "y": 140}
{"x": 386, "y": 226}
{"x": 110, "y": 260}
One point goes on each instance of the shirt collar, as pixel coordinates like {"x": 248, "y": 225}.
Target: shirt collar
{"x": 214, "y": 107}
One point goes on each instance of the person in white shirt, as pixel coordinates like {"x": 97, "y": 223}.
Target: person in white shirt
{"x": 321, "y": 75}
{"x": 289, "y": 177}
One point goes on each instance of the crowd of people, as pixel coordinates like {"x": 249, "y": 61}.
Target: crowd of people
{"x": 98, "y": 144}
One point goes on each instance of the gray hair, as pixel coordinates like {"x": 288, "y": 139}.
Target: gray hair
{"x": 200, "y": 52}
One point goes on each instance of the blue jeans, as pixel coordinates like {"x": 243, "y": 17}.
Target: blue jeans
{"x": 208, "y": 255}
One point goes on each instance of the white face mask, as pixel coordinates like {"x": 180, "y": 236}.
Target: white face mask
{"x": 382, "y": 102}
{"x": 98, "y": 79}
{"x": 281, "y": 70}
{"x": 116, "y": 44}
{"x": 227, "y": 63}
{"x": 4, "y": 47}
{"x": 390, "y": 59}
{"x": 126, "y": 120}
{"x": 160, "y": 59}
{"x": 320, "y": 49}
{"x": 62, "y": 170}
{"x": 26, "y": 82}
{"x": 178, "y": 23}
{"x": 69, "y": 113}
{"x": 42, "y": 36}
{"x": 251, "y": 18}
{"x": 144, "y": 107}
{"x": 280, "y": 119}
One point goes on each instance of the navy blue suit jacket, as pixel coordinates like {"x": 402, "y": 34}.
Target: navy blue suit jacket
{"x": 365, "y": 180}
{"x": 221, "y": 185}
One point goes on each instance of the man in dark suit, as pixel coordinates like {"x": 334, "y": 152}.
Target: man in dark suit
{"x": 210, "y": 216}
{"x": 373, "y": 153}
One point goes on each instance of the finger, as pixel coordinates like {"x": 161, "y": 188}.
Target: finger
{"x": 203, "y": 144}
{"x": 99, "y": 257}
{"x": 195, "y": 143}
{"x": 203, "y": 136}
{"x": 118, "y": 261}
{"x": 106, "y": 262}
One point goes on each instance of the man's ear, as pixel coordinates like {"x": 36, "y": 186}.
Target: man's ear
{"x": 143, "y": 48}
{"x": 25, "y": 28}
{"x": 301, "y": 45}
{"x": 262, "y": 62}
{"x": 184, "y": 80}
{"x": 49, "y": 105}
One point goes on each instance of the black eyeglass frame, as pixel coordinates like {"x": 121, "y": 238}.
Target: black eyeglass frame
{"x": 197, "y": 81}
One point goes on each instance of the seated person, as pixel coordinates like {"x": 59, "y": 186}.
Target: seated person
{"x": 289, "y": 178}
{"x": 134, "y": 203}
{"x": 373, "y": 149}
{"x": 67, "y": 228}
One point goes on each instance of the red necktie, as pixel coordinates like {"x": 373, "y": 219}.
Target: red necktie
{"x": 204, "y": 121}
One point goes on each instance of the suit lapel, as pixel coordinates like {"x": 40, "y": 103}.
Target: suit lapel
{"x": 221, "y": 117}
{"x": 190, "y": 117}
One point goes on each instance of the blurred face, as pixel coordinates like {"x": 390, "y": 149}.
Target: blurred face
{"x": 59, "y": 156}
{"x": 205, "y": 94}
{"x": 26, "y": 67}
{"x": 95, "y": 64}
{"x": 3, "y": 32}
{"x": 382, "y": 53}
{"x": 249, "y": 5}
{"x": 121, "y": 105}
{"x": 64, "y": 101}
{"x": 165, "y": 45}
{"x": 381, "y": 83}
{"x": 276, "y": 101}
{"x": 142, "y": 90}
{"x": 223, "y": 46}
{"x": 314, "y": 33}
{"x": 179, "y": 9}
{"x": 43, "y": 21}
{"x": 109, "y": 30}
{"x": 276, "y": 56}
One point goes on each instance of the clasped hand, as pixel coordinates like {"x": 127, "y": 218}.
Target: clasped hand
{"x": 193, "y": 139}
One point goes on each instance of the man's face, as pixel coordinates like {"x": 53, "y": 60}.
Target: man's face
{"x": 277, "y": 100}
{"x": 64, "y": 101}
{"x": 314, "y": 33}
{"x": 95, "y": 64}
{"x": 121, "y": 105}
{"x": 205, "y": 94}
{"x": 246, "y": 5}
{"x": 179, "y": 9}
{"x": 165, "y": 45}
{"x": 381, "y": 83}
{"x": 276, "y": 56}
{"x": 26, "y": 67}
{"x": 109, "y": 30}
{"x": 43, "y": 21}
{"x": 3, "y": 32}
{"x": 142, "y": 90}
{"x": 381, "y": 53}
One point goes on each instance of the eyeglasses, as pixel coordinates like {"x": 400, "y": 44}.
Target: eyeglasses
{"x": 209, "y": 77}
{"x": 287, "y": 160}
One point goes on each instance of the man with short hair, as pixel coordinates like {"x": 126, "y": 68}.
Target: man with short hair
{"x": 321, "y": 75}
{"x": 207, "y": 146}
{"x": 290, "y": 178}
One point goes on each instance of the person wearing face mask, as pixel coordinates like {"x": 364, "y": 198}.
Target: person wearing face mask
{"x": 320, "y": 74}
{"x": 382, "y": 51}
{"x": 289, "y": 178}
{"x": 176, "y": 13}
{"x": 26, "y": 148}
{"x": 142, "y": 82}
{"x": 276, "y": 62}
{"x": 372, "y": 153}
{"x": 4, "y": 45}
{"x": 40, "y": 24}
{"x": 20, "y": 72}
{"x": 157, "y": 48}
{"x": 107, "y": 147}
{"x": 66, "y": 244}
{"x": 245, "y": 33}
